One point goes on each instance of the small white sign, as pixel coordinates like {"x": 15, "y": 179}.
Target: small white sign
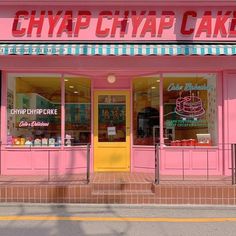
{"x": 111, "y": 130}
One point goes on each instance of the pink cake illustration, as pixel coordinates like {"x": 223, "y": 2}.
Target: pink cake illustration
{"x": 189, "y": 106}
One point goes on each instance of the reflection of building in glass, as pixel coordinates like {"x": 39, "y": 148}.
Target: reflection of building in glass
{"x": 147, "y": 118}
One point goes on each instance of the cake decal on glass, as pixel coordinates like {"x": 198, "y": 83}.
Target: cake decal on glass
{"x": 189, "y": 106}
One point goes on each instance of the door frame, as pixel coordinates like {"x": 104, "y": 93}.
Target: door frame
{"x": 96, "y": 144}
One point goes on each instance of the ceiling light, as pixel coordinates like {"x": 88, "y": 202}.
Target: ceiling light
{"x": 71, "y": 86}
{"x": 111, "y": 78}
{"x": 153, "y": 87}
{"x": 66, "y": 80}
{"x": 76, "y": 92}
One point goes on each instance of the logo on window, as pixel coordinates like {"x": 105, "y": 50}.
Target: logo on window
{"x": 189, "y": 106}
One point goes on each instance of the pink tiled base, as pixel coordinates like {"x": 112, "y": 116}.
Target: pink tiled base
{"x": 124, "y": 188}
{"x": 160, "y": 194}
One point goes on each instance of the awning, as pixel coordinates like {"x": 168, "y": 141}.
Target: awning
{"x": 119, "y": 49}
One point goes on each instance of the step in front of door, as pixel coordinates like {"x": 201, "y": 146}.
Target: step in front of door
{"x": 125, "y": 186}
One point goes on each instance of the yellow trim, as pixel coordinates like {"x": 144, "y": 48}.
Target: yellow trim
{"x": 126, "y": 219}
{"x": 104, "y": 152}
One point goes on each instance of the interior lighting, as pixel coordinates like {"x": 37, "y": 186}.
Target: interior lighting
{"x": 111, "y": 78}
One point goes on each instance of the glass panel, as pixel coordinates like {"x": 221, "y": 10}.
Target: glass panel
{"x": 189, "y": 103}
{"x": 146, "y": 116}
{"x": 111, "y": 118}
{"x": 77, "y": 110}
{"x": 34, "y": 110}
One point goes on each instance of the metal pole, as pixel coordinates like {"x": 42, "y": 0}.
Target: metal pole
{"x": 0, "y": 157}
{"x": 183, "y": 163}
{"x": 88, "y": 163}
{"x": 232, "y": 162}
{"x": 48, "y": 165}
{"x": 157, "y": 164}
{"x": 207, "y": 165}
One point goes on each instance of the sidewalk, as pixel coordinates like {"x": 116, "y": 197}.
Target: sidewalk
{"x": 116, "y": 220}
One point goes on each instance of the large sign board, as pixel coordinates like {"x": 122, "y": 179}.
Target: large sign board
{"x": 117, "y": 24}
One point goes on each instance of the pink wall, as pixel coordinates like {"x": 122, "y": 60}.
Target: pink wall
{"x": 101, "y": 83}
{"x": 121, "y": 3}
{"x": 122, "y": 66}
{"x": 62, "y": 160}
{"x": 175, "y": 161}
{"x": 73, "y": 160}
{"x": 55, "y": 161}
{"x": 15, "y": 161}
{"x": 230, "y": 119}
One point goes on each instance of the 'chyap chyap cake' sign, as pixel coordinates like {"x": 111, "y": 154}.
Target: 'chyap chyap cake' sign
{"x": 85, "y": 23}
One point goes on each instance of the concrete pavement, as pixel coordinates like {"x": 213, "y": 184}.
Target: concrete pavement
{"x": 76, "y": 219}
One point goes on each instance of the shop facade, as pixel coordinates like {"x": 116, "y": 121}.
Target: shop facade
{"x": 120, "y": 79}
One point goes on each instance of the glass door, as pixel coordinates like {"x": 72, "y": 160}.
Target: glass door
{"x": 112, "y": 131}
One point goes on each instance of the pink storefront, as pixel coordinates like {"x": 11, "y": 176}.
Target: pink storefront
{"x": 119, "y": 76}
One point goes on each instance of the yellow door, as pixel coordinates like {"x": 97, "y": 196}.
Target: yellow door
{"x": 112, "y": 131}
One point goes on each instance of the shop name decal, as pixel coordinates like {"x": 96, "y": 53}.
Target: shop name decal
{"x": 33, "y": 112}
{"x": 186, "y": 123}
{"x": 188, "y": 87}
{"x": 33, "y": 124}
{"x": 113, "y": 24}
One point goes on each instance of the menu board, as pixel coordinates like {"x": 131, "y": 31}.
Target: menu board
{"x": 113, "y": 113}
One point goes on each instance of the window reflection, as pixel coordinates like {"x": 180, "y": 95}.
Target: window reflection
{"x": 189, "y": 104}
{"x": 77, "y": 111}
{"x": 146, "y": 117}
{"x": 111, "y": 118}
{"x": 34, "y": 110}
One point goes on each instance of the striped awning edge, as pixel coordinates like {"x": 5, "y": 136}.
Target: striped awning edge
{"x": 118, "y": 49}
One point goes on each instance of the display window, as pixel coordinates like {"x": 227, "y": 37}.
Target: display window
{"x": 188, "y": 116}
{"x": 190, "y": 110}
{"x": 34, "y": 115}
{"x": 77, "y": 110}
{"x": 146, "y": 110}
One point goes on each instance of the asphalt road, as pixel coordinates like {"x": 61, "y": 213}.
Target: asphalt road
{"x": 112, "y": 220}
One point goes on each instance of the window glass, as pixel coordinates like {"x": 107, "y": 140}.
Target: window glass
{"x": 146, "y": 116}
{"x": 111, "y": 118}
{"x": 77, "y": 110}
{"x": 34, "y": 110}
{"x": 189, "y": 105}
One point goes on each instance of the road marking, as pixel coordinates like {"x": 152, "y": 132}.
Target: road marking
{"x": 120, "y": 219}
